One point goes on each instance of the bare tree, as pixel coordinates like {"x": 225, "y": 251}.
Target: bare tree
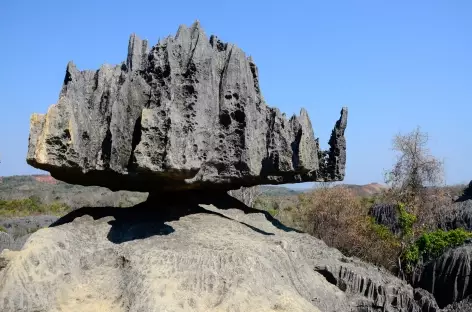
{"x": 247, "y": 195}
{"x": 415, "y": 168}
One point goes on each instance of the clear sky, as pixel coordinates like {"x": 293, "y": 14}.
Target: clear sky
{"x": 395, "y": 64}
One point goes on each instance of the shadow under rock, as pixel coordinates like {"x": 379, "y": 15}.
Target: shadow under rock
{"x": 149, "y": 218}
{"x": 222, "y": 200}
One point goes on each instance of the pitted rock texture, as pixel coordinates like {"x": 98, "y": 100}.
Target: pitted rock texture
{"x": 187, "y": 256}
{"x": 186, "y": 114}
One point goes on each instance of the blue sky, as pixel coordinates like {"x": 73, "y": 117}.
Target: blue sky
{"x": 395, "y": 64}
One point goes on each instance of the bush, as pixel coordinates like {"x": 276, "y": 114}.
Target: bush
{"x": 340, "y": 219}
{"x": 330, "y": 213}
{"x": 431, "y": 245}
{"x": 411, "y": 257}
{"x": 406, "y": 220}
{"x": 382, "y": 231}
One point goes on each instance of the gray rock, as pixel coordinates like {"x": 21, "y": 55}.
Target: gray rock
{"x": 189, "y": 255}
{"x": 447, "y": 277}
{"x": 467, "y": 193}
{"x": 462, "y": 306}
{"x": 458, "y": 215}
{"x": 186, "y": 114}
{"x": 3, "y": 263}
{"x": 6, "y": 241}
{"x": 20, "y": 226}
{"x": 18, "y": 229}
{"x": 425, "y": 300}
{"x": 388, "y": 215}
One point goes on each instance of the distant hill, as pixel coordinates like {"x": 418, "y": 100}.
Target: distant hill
{"x": 271, "y": 190}
{"x": 49, "y": 190}
{"x": 358, "y": 190}
{"x": 366, "y": 190}
{"x": 27, "y": 185}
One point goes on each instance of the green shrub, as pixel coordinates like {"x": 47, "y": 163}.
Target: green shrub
{"x": 367, "y": 201}
{"x": 30, "y": 206}
{"x": 2, "y": 229}
{"x": 406, "y": 219}
{"x": 382, "y": 231}
{"x": 411, "y": 257}
{"x": 432, "y": 244}
{"x": 56, "y": 208}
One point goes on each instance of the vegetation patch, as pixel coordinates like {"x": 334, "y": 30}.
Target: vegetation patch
{"x": 382, "y": 231}
{"x": 406, "y": 220}
{"x": 30, "y": 206}
{"x": 431, "y": 245}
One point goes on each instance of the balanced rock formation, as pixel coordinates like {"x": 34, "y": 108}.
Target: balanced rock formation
{"x": 186, "y": 114}
{"x": 200, "y": 252}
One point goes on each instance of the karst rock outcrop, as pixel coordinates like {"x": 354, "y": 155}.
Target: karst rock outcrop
{"x": 448, "y": 276}
{"x": 187, "y": 113}
{"x": 200, "y": 252}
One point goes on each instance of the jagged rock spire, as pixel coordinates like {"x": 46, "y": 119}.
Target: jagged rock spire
{"x": 186, "y": 114}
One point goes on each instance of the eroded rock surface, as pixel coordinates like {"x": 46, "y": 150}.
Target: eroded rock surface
{"x": 16, "y": 230}
{"x": 448, "y": 276}
{"x": 186, "y": 114}
{"x": 462, "y": 306}
{"x": 460, "y": 216}
{"x": 186, "y": 254}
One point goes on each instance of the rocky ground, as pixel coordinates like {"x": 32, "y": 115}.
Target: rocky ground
{"x": 121, "y": 232}
{"x": 15, "y": 231}
{"x": 361, "y": 287}
{"x": 206, "y": 253}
